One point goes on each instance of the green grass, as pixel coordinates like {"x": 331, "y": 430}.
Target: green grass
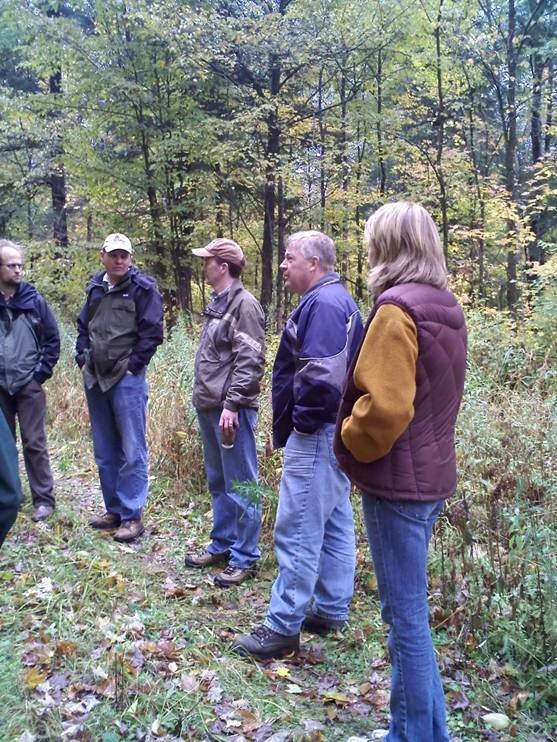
{"x": 100, "y": 641}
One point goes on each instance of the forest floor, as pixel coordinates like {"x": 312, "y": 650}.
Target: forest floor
{"x": 105, "y": 641}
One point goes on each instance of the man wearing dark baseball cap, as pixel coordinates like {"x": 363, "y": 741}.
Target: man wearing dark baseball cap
{"x": 228, "y": 368}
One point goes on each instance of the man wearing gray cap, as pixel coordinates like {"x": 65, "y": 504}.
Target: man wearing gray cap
{"x": 228, "y": 368}
{"x": 119, "y": 329}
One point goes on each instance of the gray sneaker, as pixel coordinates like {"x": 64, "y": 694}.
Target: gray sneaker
{"x": 264, "y": 644}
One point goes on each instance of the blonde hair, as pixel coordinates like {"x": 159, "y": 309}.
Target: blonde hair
{"x": 403, "y": 247}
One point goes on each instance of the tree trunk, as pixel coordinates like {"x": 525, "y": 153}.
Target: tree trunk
{"x": 510, "y": 153}
{"x": 57, "y": 175}
{"x": 534, "y": 252}
{"x": 379, "y": 129}
{"x": 280, "y": 292}
{"x": 272, "y": 152}
{"x": 441, "y": 117}
{"x": 549, "y": 98}
{"x": 322, "y": 150}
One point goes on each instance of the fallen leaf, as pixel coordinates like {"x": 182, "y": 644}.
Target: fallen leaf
{"x": 214, "y": 694}
{"x": 135, "y": 627}
{"x": 106, "y": 688}
{"x": 157, "y": 729}
{"x": 81, "y": 708}
{"x": 34, "y": 678}
{"x": 497, "y": 721}
{"x": 310, "y": 725}
{"x": 339, "y": 698}
{"x": 250, "y": 720}
{"x": 459, "y": 701}
{"x": 517, "y": 700}
{"x": 65, "y": 648}
{"x": 189, "y": 683}
{"x": 282, "y": 672}
{"x": 293, "y": 688}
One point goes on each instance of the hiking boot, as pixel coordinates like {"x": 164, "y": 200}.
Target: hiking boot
{"x": 42, "y": 512}
{"x": 105, "y": 521}
{"x": 264, "y": 643}
{"x": 206, "y": 559}
{"x": 232, "y": 576}
{"x": 129, "y": 530}
{"x": 316, "y": 624}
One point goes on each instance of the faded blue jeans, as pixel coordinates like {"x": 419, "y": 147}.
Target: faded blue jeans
{"x": 314, "y": 535}
{"x": 399, "y": 534}
{"x": 118, "y": 422}
{"x": 236, "y": 514}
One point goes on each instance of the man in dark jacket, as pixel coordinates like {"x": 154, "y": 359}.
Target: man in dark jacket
{"x": 228, "y": 369}
{"x": 29, "y": 350}
{"x": 119, "y": 329}
{"x": 314, "y": 530}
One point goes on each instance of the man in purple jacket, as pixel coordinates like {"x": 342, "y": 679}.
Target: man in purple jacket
{"x": 119, "y": 329}
{"x": 314, "y": 529}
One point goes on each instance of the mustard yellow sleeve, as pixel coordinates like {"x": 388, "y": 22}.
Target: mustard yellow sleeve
{"x": 386, "y": 373}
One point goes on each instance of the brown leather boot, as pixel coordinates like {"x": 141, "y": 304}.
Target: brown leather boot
{"x": 105, "y": 521}
{"x": 206, "y": 559}
{"x": 232, "y": 576}
{"x": 42, "y": 512}
{"x": 129, "y": 530}
{"x": 264, "y": 643}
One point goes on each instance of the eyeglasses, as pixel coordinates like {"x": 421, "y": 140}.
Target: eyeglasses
{"x": 13, "y": 266}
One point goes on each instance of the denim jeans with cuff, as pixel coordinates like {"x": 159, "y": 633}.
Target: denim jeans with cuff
{"x": 236, "y": 513}
{"x": 314, "y": 535}
{"x": 399, "y": 533}
{"x": 118, "y": 427}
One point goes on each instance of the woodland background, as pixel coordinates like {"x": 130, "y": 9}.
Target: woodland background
{"x": 175, "y": 122}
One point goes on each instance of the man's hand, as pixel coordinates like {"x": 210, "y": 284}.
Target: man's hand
{"x": 228, "y": 420}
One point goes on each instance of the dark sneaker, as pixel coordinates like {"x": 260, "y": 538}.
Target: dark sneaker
{"x": 264, "y": 644}
{"x": 234, "y": 576}
{"x": 316, "y": 624}
{"x": 42, "y": 512}
{"x": 129, "y": 530}
{"x": 206, "y": 559}
{"x": 105, "y": 521}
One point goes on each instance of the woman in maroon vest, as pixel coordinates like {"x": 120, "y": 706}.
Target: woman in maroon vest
{"x": 395, "y": 440}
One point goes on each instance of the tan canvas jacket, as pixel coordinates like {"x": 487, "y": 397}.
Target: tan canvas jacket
{"x": 230, "y": 358}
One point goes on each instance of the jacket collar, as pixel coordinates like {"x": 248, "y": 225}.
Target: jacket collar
{"x": 327, "y": 279}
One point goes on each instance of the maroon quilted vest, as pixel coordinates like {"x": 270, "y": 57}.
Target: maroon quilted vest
{"x": 422, "y": 463}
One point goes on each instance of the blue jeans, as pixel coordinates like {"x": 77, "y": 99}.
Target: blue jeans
{"x": 399, "y": 534}
{"x": 236, "y": 514}
{"x": 118, "y": 419}
{"x": 314, "y": 535}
